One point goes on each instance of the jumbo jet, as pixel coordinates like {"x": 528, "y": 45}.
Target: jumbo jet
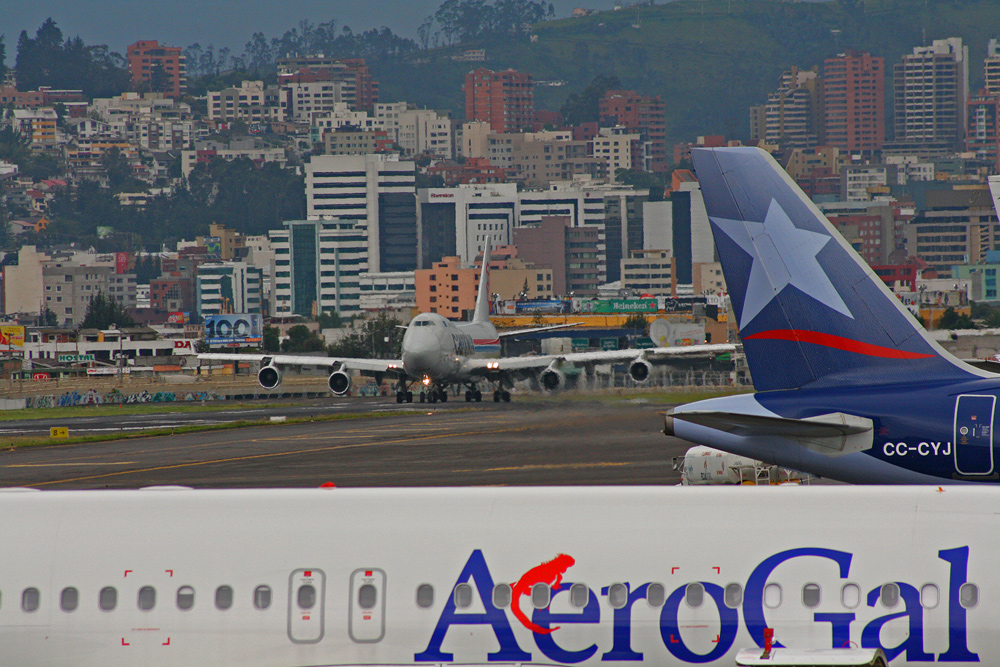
{"x": 849, "y": 385}
{"x": 438, "y": 353}
{"x": 660, "y": 576}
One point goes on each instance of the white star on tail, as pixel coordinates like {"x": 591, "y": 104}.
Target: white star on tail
{"x": 782, "y": 255}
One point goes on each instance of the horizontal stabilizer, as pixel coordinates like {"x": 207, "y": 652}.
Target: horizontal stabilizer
{"x": 832, "y": 434}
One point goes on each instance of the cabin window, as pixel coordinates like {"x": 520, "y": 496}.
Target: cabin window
{"x": 617, "y": 595}
{"x": 262, "y": 597}
{"x": 968, "y": 596}
{"x": 850, "y": 595}
{"x": 579, "y": 595}
{"x": 656, "y": 595}
{"x": 733, "y": 595}
{"x": 889, "y": 595}
{"x": 147, "y": 598}
{"x": 772, "y": 596}
{"x": 306, "y": 596}
{"x": 223, "y": 597}
{"x": 929, "y": 596}
{"x": 463, "y": 596}
{"x": 69, "y": 599}
{"x": 185, "y": 598}
{"x": 30, "y": 599}
{"x": 811, "y": 595}
{"x": 501, "y": 596}
{"x": 541, "y": 594}
{"x": 694, "y": 595}
{"x": 107, "y": 599}
{"x": 367, "y": 596}
{"x": 425, "y": 596}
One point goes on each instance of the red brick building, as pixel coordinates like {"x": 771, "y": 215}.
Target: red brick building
{"x": 473, "y": 170}
{"x": 159, "y": 68}
{"x": 642, "y": 114}
{"x": 854, "y": 101}
{"x": 505, "y": 100}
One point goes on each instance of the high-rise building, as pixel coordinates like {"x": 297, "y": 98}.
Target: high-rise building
{"x": 161, "y": 69}
{"x": 983, "y": 119}
{"x": 793, "y": 115}
{"x": 357, "y": 87}
{"x": 505, "y": 100}
{"x": 317, "y": 264}
{"x": 992, "y": 66}
{"x": 854, "y": 90}
{"x": 930, "y": 91}
{"x": 644, "y": 115}
{"x": 378, "y": 193}
{"x": 456, "y": 221}
{"x": 568, "y": 251}
{"x": 229, "y": 287}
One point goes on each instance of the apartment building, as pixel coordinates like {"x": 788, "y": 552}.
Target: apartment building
{"x": 930, "y": 91}
{"x": 251, "y": 102}
{"x": 157, "y": 68}
{"x": 505, "y": 100}
{"x": 229, "y": 287}
{"x": 854, "y": 104}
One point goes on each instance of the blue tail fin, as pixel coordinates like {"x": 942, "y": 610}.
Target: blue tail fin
{"x": 810, "y": 310}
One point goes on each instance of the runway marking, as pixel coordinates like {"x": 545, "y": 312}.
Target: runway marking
{"x": 556, "y": 466}
{"x": 55, "y": 465}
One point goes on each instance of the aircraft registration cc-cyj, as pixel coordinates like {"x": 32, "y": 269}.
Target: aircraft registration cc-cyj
{"x": 848, "y": 384}
{"x": 438, "y": 353}
{"x": 833, "y": 575}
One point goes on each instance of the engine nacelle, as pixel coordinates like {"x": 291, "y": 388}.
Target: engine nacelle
{"x": 639, "y": 370}
{"x": 552, "y": 379}
{"x": 340, "y": 383}
{"x": 269, "y": 377}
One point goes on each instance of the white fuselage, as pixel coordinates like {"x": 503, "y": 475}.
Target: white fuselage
{"x": 436, "y": 348}
{"x": 667, "y": 576}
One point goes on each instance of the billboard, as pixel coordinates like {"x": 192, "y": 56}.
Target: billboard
{"x": 234, "y": 330}
{"x": 178, "y": 317}
{"x": 121, "y": 262}
{"x": 11, "y": 335}
{"x": 620, "y": 306}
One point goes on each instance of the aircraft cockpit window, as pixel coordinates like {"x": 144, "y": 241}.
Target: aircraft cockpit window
{"x": 811, "y": 595}
{"x": 147, "y": 598}
{"x": 733, "y": 595}
{"x": 541, "y": 594}
{"x": 306, "y": 596}
{"x": 772, "y": 596}
{"x": 968, "y": 596}
{"x": 694, "y": 595}
{"x": 262, "y": 597}
{"x": 929, "y": 596}
{"x": 501, "y": 596}
{"x": 850, "y": 595}
{"x": 656, "y": 595}
{"x": 107, "y": 600}
{"x": 367, "y": 596}
{"x": 617, "y": 595}
{"x": 223, "y": 597}
{"x": 463, "y": 596}
{"x": 30, "y": 599}
{"x": 889, "y": 595}
{"x": 579, "y": 595}
{"x": 69, "y": 599}
{"x": 185, "y": 598}
{"x": 425, "y": 596}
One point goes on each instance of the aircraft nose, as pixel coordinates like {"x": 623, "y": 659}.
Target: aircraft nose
{"x": 420, "y": 352}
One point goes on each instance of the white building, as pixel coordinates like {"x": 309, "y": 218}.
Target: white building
{"x": 386, "y": 291}
{"x": 304, "y": 101}
{"x": 468, "y": 214}
{"x": 229, "y": 287}
{"x": 251, "y": 102}
{"x": 648, "y": 272}
{"x": 616, "y": 147}
{"x": 209, "y": 150}
{"x": 416, "y": 131}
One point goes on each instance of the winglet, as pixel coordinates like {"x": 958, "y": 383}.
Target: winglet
{"x": 482, "y": 312}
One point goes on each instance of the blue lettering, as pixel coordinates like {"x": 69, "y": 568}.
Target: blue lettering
{"x": 958, "y": 649}
{"x": 671, "y": 632}
{"x": 914, "y": 643}
{"x": 621, "y": 648}
{"x": 476, "y": 570}
{"x": 840, "y": 627}
{"x": 753, "y": 599}
{"x": 591, "y": 613}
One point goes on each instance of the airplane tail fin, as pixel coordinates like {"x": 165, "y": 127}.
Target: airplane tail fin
{"x": 810, "y": 310}
{"x": 482, "y": 312}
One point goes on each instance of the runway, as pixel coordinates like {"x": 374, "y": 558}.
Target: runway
{"x": 536, "y": 443}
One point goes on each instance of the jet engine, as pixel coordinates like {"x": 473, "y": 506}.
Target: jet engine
{"x": 269, "y": 377}
{"x": 340, "y": 383}
{"x": 552, "y": 379}
{"x": 639, "y": 370}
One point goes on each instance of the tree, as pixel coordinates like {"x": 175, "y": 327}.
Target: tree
{"x": 585, "y": 107}
{"x": 271, "y": 339}
{"x": 103, "y": 311}
{"x": 379, "y": 338}
{"x": 302, "y": 339}
{"x": 952, "y": 320}
{"x": 636, "y": 322}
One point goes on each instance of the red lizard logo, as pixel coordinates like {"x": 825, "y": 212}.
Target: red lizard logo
{"x": 550, "y": 573}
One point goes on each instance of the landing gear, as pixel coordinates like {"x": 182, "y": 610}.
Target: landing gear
{"x": 501, "y": 395}
{"x": 404, "y": 396}
{"x": 473, "y": 395}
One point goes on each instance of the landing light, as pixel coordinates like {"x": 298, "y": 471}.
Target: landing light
{"x": 492, "y": 365}
{"x": 426, "y": 381}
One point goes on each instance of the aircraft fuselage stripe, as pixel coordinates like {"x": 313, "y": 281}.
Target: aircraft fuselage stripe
{"x": 837, "y": 342}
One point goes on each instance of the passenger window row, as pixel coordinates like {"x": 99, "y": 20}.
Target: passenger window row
{"x": 694, "y": 595}
{"x": 107, "y": 598}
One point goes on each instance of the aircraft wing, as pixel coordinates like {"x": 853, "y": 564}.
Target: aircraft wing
{"x": 338, "y": 363}
{"x": 652, "y": 355}
{"x": 516, "y": 332}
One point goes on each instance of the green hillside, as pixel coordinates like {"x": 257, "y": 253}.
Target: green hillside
{"x": 708, "y": 59}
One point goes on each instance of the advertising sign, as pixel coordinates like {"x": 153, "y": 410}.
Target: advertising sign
{"x": 213, "y": 245}
{"x": 178, "y": 318}
{"x": 11, "y": 335}
{"x": 234, "y": 330}
{"x": 621, "y": 306}
{"x": 75, "y": 358}
{"x": 121, "y": 262}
